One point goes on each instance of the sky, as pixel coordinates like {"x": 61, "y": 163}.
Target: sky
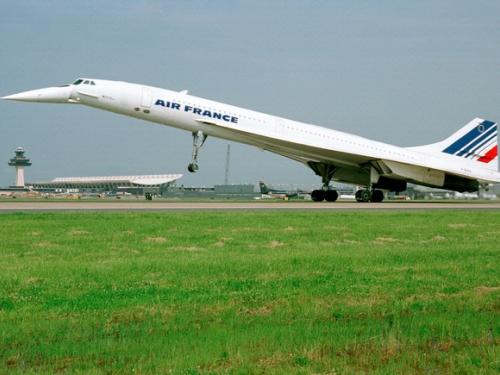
{"x": 406, "y": 73}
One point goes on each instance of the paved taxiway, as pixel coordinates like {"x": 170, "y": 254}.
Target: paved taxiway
{"x": 210, "y": 206}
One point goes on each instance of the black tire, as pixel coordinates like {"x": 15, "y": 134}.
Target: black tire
{"x": 363, "y": 195}
{"x": 377, "y": 196}
{"x": 318, "y": 195}
{"x": 331, "y": 195}
{"x": 192, "y": 167}
{"x": 357, "y": 195}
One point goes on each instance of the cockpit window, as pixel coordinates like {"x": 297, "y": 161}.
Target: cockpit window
{"x": 85, "y": 82}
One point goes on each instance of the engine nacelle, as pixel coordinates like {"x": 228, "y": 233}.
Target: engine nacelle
{"x": 390, "y": 184}
{"x": 460, "y": 184}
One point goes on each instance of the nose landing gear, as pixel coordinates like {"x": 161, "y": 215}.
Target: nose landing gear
{"x": 199, "y": 139}
{"x": 193, "y": 167}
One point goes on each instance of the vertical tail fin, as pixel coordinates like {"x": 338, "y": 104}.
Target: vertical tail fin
{"x": 477, "y": 141}
{"x": 263, "y": 188}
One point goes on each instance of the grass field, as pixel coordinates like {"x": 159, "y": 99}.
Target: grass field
{"x": 257, "y": 292}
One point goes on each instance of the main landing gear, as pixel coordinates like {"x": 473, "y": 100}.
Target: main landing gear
{"x": 199, "y": 139}
{"x": 365, "y": 195}
{"x": 321, "y": 195}
{"x": 326, "y": 172}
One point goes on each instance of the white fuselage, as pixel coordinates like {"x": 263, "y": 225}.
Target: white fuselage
{"x": 299, "y": 141}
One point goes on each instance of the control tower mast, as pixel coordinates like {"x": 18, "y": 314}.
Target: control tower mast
{"x": 19, "y": 161}
{"x": 226, "y": 174}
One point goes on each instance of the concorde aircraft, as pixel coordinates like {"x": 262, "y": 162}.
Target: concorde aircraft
{"x": 463, "y": 162}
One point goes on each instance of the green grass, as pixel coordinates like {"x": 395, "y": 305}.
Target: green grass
{"x": 257, "y": 292}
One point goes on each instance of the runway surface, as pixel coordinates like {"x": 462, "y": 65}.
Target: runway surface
{"x": 13, "y": 206}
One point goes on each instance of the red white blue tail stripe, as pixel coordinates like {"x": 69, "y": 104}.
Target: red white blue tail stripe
{"x": 479, "y": 144}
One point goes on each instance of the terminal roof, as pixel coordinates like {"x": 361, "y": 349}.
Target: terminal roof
{"x": 122, "y": 181}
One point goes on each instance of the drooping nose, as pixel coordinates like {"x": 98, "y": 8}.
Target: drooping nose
{"x": 47, "y": 95}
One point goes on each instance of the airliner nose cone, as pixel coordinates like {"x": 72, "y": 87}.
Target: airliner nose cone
{"x": 47, "y": 95}
{"x": 20, "y": 96}
{"x": 25, "y": 96}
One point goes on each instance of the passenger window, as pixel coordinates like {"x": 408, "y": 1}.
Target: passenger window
{"x": 86, "y": 82}
{"x": 92, "y": 83}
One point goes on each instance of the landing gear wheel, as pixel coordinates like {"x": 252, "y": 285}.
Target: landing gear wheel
{"x": 363, "y": 195}
{"x": 331, "y": 195}
{"x": 199, "y": 139}
{"x": 377, "y": 196}
{"x": 318, "y": 195}
{"x": 326, "y": 171}
{"x": 193, "y": 167}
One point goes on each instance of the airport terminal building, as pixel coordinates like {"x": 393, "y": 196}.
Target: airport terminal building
{"x": 139, "y": 185}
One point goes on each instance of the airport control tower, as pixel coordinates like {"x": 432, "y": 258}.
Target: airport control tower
{"x": 20, "y": 161}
